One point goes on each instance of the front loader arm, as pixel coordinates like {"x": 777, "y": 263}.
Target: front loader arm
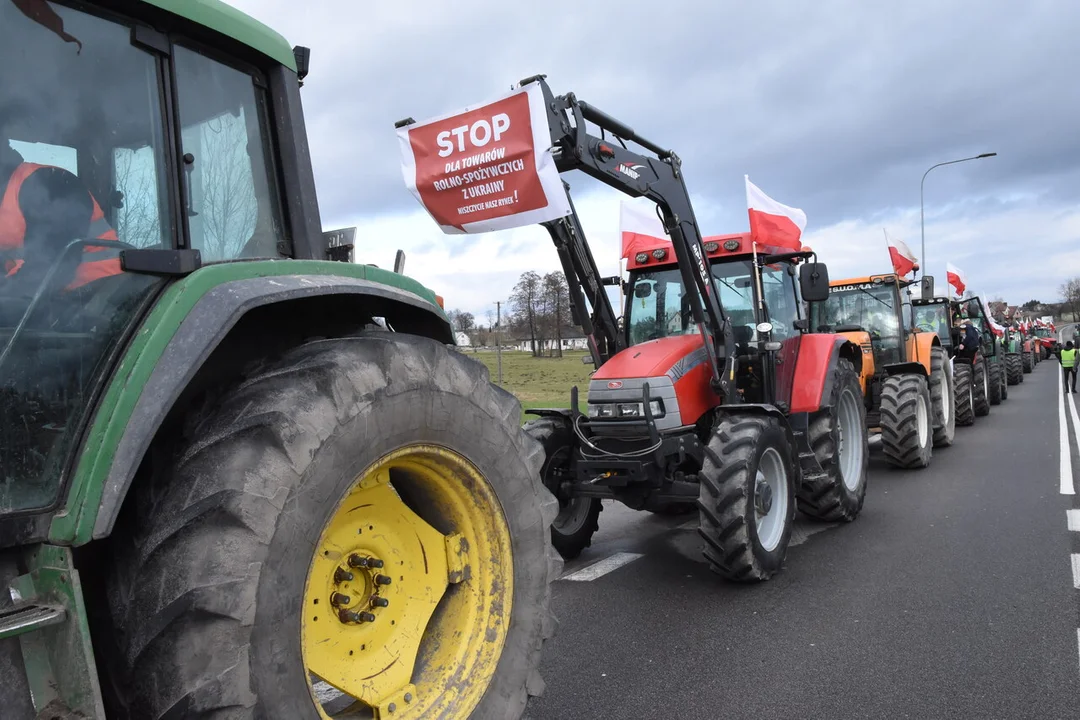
{"x": 583, "y": 279}
{"x": 660, "y": 179}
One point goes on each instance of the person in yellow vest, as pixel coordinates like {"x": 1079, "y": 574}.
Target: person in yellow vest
{"x": 1068, "y": 365}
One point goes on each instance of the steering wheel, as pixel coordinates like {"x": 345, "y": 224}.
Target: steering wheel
{"x": 926, "y": 327}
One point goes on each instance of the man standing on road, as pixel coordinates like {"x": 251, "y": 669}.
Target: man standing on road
{"x": 1068, "y": 365}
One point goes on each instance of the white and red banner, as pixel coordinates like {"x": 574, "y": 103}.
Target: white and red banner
{"x": 488, "y": 167}
{"x": 640, "y": 227}
{"x": 956, "y": 278}
{"x": 903, "y": 260}
{"x": 773, "y": 223}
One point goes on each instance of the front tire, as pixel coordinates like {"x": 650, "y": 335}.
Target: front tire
{"x": 234, "y": 577}
{"x": 964, "y": 388}
{"x": 1028, "y": 359}
{"x": 839, "y": 439}
{"x": 1014, "y": 369}
{"x": 747, "y": 497}
{"x": 906, "y": 426}
{"x": 982, "y": 388}
{"x": 942, "y": 397}
{"x": 579, "y": 517}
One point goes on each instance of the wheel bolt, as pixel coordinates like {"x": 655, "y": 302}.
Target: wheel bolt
{"x": 358, "y": 562}
{"x": 339, "y": 599}
{"x": 382, "y": 580}
{"x": 342, "y": 575}
{"x": 379, "y": 601}
{"x": 347, "y": 616}
{"x": 375, "y": 562}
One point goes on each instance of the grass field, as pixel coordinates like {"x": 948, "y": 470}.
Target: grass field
{"x": 539, "y": 382}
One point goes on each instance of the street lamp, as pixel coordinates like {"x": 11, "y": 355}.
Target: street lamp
{"x": 922, "y": 216}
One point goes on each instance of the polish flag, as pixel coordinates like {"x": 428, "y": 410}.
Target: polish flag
{"x": 903, "y": 260}
{"x": 640, "y": 227}
{"x": 956, "y": 278}
{"x": 994, "y": 327}
{"x": 773, "y": 223}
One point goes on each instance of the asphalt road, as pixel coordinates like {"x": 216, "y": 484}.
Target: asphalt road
{"x": 953, "y": 595}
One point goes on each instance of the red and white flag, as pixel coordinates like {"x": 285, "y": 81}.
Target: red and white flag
{"x": 956, "y": 278}
{"x": 773, "y": 223}
{"x": 640, "y": 227}
{"x": 903, "y": 260}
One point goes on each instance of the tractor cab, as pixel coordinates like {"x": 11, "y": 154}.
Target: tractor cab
{"x": 758, "y": 292}
{"x": 932, "y": 315}
{"x": 114, "y": 138}
{"x": 878, "y": 305}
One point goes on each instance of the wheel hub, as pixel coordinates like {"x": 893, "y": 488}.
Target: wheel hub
{"x": 763, "y": 494}
{"x": 370, "y": 629}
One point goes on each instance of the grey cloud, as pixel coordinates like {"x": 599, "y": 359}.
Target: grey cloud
{"x": 836, "y": 106}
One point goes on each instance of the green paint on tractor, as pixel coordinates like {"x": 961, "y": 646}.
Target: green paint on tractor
{"x": 229, "y": 21}
{"x": 74, "y": 523}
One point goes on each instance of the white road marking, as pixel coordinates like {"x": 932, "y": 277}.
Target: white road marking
{"x": 603, "y": 567}
{"x": 1076, "y": 570}
{"x": 1066, "y": 482}
{"x": 1078, "y": 639}
{"x": 1074, "y": 520}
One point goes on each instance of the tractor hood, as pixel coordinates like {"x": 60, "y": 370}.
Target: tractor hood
{"x": 674, "y": 355}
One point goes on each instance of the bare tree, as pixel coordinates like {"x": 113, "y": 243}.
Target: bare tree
{"x": 526, "y": 300}
{"x": 1070, "y": 293}
{"x": 138, "y": 220}
{"x": 227, "y": 204}
{"x": 556, "y": 306}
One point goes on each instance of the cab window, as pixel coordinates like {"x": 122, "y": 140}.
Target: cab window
{"x": 234, "y": 211}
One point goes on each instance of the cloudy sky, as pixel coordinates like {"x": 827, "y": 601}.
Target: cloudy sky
{"x": 834, "y": 106}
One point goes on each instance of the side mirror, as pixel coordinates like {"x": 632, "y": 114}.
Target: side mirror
{"x": 399, "y": 262}
{"x": 814, "y": 282}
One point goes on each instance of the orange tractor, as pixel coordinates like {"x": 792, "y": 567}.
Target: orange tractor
{"x": 906, "y": 378}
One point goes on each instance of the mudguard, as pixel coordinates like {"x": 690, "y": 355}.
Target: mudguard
{"x": 918, "y": 348}
{"x": 819, "y": 354}
{"x": 906, "y": 368}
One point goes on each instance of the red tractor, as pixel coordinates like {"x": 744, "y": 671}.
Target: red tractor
{"x": 709, "y": 390}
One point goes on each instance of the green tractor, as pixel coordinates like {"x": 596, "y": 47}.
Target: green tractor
{"x": 241, "y": 476}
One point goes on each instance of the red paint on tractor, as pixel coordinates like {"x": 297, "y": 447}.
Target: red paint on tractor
{"x": 648, "y": 359}
{"x": 695, "y": 394}
{"x": 811, "y": 369}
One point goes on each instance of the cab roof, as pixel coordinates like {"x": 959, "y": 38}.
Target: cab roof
{"x": 229, "y": 21}
{"x": 728, "y": 246}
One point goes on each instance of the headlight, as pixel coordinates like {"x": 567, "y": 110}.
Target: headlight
{"x": 625, "y": 410}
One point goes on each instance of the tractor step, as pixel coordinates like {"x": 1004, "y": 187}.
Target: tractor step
{"x": 26, "y": 618}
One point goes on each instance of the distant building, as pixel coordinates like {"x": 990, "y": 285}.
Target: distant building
{"x": 462, "y": 339}
{"x": 572, "y": 339}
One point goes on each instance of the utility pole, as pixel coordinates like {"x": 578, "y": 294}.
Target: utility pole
{"x": 498, "y": 339}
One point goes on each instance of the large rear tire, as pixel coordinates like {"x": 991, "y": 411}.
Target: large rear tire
{"x": 840, "y": 442}
{"x": 579, "y": 517}
{"x": 383, "y": 466}
{"x": 747, "y": 497}
{"x": 1028, "y": 362}
{"x": 981, "y": 383}
{"x": 996, "y": 380}
{"x": 906, "y": 424}
{"x": 964, "y": 389}
{"x": 942, "y": 397}
{"x": 1014, "y": 368}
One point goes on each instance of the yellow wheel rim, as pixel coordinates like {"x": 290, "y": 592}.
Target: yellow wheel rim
{"x": 409, "y": 593}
